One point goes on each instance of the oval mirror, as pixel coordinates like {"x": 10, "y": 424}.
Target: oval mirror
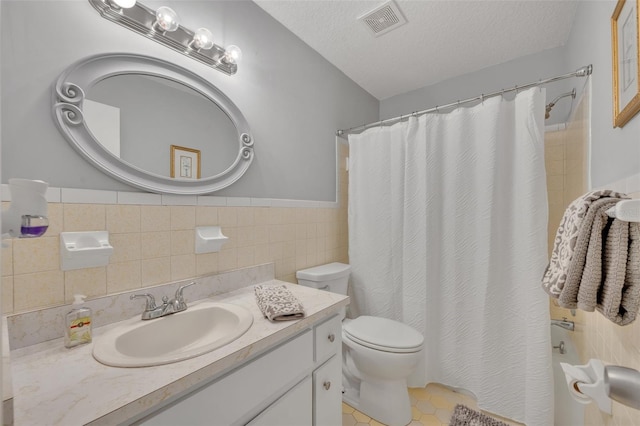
{"x": 152, "y": 124}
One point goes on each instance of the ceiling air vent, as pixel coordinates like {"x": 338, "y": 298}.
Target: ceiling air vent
{"x": 383, "y": 19}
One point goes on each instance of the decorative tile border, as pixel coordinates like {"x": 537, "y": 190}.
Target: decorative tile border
{"x": 94, "y": 196}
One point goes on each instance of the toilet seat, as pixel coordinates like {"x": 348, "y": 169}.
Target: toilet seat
{"x": 383, "y": 334}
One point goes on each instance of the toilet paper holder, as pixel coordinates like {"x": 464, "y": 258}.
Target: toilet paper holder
{"x": 601, "y": 384}
{"x": 622, "y": 384}
{"x": 586, "y": 383}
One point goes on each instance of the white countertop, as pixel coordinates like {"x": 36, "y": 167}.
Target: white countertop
{"x": 55, "y": 385}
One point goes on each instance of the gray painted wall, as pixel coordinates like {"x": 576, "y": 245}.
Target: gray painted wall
{"x": 615, "y": 153}
{"x": 526, "y": 69}
{"x": 293, "y": 99}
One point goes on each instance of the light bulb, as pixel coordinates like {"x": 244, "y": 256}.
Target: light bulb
{"x": 123, "y": 4}
{"x": 232, "y": 54}
{"x": 166, "y": 19}
{"x": 202, "y": 39}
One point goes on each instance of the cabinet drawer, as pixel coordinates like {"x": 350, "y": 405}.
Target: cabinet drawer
{"x": 328, "y": 339}
{"x": 327, "y": 393}
{"x": 243, "y": 392}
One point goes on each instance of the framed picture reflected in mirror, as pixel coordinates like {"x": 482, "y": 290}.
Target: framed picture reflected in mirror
{"x": 185, "y": 162}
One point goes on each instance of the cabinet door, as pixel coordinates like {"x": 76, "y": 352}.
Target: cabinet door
{"x": 327, "y": 393}
{"x": 292, "y": 409}
{"x": 240, "y": 395}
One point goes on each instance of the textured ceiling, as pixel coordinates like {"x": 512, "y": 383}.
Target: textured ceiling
{"x": 442, "y": 39}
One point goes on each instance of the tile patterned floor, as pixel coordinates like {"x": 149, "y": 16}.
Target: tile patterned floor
{"x": 431, "y": 406}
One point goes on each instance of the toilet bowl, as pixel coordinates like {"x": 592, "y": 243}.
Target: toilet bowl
{"x": 378, "y": 353}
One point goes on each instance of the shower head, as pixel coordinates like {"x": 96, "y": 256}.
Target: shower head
{"x": 551, "y": 104}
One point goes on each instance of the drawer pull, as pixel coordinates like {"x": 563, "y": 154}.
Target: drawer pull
{"x": 326, "y": 385}
{"x": 331, "y": 337}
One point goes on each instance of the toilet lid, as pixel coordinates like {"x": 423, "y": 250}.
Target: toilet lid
{"x": 383, "y": 334}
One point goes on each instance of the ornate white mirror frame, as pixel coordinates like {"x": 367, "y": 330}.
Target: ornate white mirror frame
{"x": 69, "y": 94}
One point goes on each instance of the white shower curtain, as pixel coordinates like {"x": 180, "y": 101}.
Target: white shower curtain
{"x": 447, "y": 233}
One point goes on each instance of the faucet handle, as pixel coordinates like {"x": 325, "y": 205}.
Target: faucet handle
{"x": 179, "y": 297}
{"x": 151, "y": 301}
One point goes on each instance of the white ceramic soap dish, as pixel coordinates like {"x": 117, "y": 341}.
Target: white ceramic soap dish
{"x": 209, "y": 239}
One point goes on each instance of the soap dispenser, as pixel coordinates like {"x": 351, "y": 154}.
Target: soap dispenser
{"x": 77, "y": 329}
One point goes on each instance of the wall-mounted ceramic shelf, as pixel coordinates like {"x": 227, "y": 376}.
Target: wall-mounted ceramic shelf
{"x": 209, "y": 239}
{"x": 84, "y": 249}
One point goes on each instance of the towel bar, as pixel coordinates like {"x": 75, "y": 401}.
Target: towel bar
{"x": 626, "y": 210}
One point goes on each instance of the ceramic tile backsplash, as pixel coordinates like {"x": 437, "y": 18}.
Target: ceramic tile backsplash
{"x": 126, "y": 247}
{"x": 123, "y": 218}
{"x": 7, "y": 258}
{"x": 36, "y": 290}
{"x": 156, "y": 271}
{"x": 207, "y": 263}
{"x": 35, "y": 255}
{"x": 89, "y": 281}
{"x": 83, "y": 217}
{"x": 123, "y": 276}
{"x": 206, "y": 215}
{"x": 7, "y": 294}
{"x": 183, "y": 267}
{"x": 182, "y": 242}
{"x": 155, "y": 245}
{"x": 155, "y": 218}
{"x": 183, "y": 217}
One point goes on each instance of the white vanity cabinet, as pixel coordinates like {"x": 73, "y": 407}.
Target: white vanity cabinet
{"x": 295, "y": 383}
{"x": 327, "y": 376}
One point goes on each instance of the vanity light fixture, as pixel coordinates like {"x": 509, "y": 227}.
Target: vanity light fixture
{"x": 232, "y": 54}
{"x": 123, "y": 4}
{"x": 202, "y": 39}
{"x": 162, "y": 25}
{"x": 166, "y": 20}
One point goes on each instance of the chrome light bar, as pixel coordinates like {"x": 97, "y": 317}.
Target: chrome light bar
{"x": 144, "y": 21}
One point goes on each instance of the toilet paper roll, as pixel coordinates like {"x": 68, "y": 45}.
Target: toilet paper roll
{"x": 586, "y": 383}
{"x": 574, "y": 377}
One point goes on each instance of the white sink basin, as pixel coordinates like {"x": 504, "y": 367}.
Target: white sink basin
{"x": 198, "y": 330}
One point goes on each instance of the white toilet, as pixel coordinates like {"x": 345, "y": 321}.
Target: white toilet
{"x": 378, "y": 353}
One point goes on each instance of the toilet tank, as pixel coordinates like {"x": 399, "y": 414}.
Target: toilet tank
{"x": 333, "y": 277}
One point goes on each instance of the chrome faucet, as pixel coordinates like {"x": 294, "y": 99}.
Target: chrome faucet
{"x": 151, "y": 311}
{"x": 564, "y": 323}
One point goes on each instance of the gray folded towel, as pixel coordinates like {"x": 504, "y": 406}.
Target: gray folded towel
{"x": 277, "y": 303}
{"x": 606, "y": 259}
{"x": 583, "y": 271}
{"x": 600, "y": 259}
{"x": 564, "y": 246}
{"x": 619, "y": 299}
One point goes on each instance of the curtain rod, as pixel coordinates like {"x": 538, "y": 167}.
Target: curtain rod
{"x": 581, "y": 72}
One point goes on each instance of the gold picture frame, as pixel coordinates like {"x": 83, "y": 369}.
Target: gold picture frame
{"x": 185, "y": 162}
{"x": 625, "y": 24}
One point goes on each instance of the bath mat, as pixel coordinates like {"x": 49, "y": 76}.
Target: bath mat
{"x": 465, "y": 416}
